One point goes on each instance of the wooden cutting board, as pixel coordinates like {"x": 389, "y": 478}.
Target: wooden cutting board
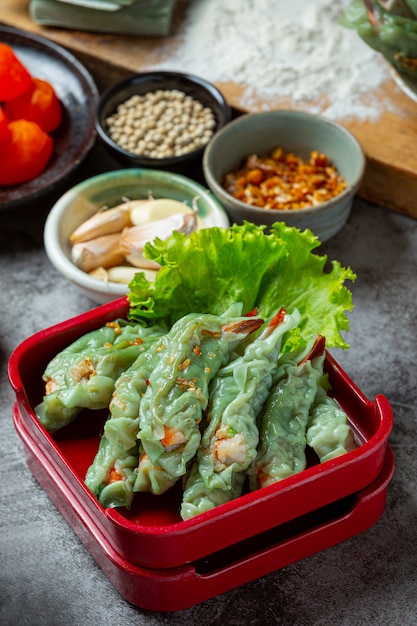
{"x": 389, "y": 142}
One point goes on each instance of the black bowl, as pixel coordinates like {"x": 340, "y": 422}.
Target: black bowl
{"x": 139, "y": 84}
{"x": 76, "y": 135}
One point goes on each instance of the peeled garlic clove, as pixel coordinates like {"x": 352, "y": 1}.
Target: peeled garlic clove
{"x": 133, "y": 239}
{"x": 106, "y": 221}
{"x": 124, "y": 274}
{"x": 102, "y": 251}
{"x": 131, "y": 245}
{"x": 103, "y": 222}
{"x": 150, "y": 275}
{"x": 163, "y": 228}
{"x": 121, "y": 274}
{"x": 100, "y": 273}
{"x": 160, "y": 208}
{"x": 137, "y": 259}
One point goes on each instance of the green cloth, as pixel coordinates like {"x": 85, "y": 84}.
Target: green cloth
{"x": 131, "y": 17}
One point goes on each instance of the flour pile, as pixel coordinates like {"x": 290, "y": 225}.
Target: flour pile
{"x": 280, "y": 50}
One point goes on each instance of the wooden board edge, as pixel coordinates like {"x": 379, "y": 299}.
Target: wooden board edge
{"x": 389, "y": 187}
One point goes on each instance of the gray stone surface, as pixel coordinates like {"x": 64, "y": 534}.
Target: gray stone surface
{"x": 47, "y": 576}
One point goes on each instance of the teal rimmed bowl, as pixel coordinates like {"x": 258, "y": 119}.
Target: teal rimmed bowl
{"x": 298, "y": 132}
{"x": 107, "y": 190}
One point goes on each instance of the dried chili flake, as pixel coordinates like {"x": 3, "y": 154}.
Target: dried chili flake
{"x": 282, "y": 180}
{"x": 186, "y": 384}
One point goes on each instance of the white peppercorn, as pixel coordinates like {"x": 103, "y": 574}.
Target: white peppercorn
{"x": 161, "y": 124}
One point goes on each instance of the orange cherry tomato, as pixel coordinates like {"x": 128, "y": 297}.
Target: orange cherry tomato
{"x": 14, "y": 77}
{"x": 40, "y": 104}
{"x": 26, "y": 154}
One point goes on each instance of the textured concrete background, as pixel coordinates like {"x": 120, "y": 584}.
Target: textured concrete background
{"x": 47, "y": 576}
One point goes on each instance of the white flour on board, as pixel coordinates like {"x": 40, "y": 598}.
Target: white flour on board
{"x": 280, "y": 50}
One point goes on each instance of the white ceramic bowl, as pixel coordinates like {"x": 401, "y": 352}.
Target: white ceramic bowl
{"x": 110, "y": 189}
{"x": 298, "y": 132}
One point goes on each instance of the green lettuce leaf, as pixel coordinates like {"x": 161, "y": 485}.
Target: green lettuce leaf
{"x": 213, "y": 268}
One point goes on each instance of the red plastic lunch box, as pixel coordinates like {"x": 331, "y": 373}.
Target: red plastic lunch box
{"x": 156, "y": 560}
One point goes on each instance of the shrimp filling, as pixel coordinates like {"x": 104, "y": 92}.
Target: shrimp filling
{"x": 229, "y": 450}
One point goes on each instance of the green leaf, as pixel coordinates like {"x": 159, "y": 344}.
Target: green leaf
{"x": 213, "y": 268}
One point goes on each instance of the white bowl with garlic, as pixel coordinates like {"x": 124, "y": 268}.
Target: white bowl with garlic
{"x": 95, "y": 233}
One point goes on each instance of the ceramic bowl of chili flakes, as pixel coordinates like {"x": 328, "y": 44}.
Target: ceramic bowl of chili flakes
{"x": 289, "y": 166}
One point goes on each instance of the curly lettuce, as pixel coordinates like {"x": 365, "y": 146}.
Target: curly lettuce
{"x": 213, "y": 268}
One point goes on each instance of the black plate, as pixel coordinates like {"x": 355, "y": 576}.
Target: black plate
{"x": 79, "y": 97}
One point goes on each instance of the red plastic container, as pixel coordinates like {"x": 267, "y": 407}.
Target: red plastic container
{"x": 149, "y": 549}
{"x": 177, "y": 588}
